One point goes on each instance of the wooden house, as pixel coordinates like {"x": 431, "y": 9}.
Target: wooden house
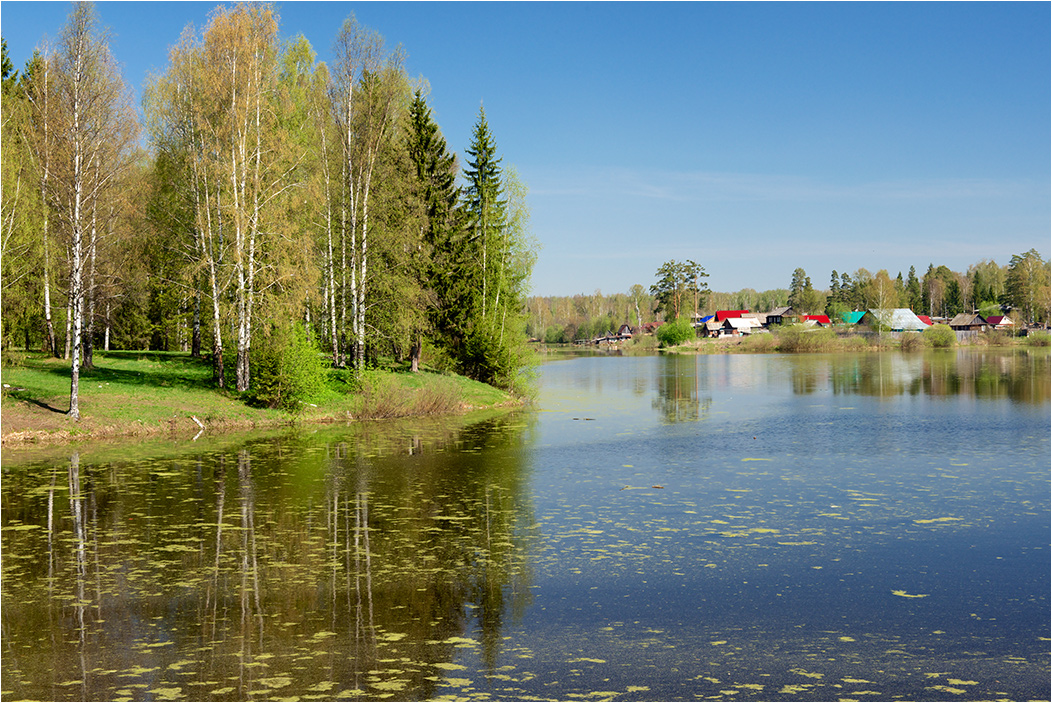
{"x": 968, "y": 322}
{"x": 852, "y": 318}
{"x": 780, "y": 316}
{"x": 722, "y": 315}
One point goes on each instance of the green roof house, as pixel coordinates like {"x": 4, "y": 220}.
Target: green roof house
{"x": 852, "y": 318}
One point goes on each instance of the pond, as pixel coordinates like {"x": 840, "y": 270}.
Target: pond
{"x": 768, "y": 527}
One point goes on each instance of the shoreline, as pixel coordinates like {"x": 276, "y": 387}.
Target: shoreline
{"x": 161, "y": 395}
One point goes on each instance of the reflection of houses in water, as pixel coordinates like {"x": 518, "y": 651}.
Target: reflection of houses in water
{"x": 983, "y": 374}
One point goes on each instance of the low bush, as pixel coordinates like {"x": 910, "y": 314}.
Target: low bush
{"x": 759, "y": 343}
{"x": 287, "y": 369}
{"x": 998, "y": 338}
{"x": 794, "y": 338}
{"x": 1039, "y": 339}
{"x": 911, "y": 341}
{"x": 672, "y": 334}
{"x": 939, "y": 336}
{"x": 644, "y": 341}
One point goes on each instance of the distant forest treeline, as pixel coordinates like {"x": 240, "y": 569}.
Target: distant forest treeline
{"x": 987, "y": 287}
{"x": 277, "y": 195}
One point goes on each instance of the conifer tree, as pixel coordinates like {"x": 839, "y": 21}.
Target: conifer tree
{"x": 494, "y": 262}
{"x": 485, "y": 212}
{"x": 436, "y": 188}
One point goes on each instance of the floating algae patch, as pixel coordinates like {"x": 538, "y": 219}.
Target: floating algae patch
{"x": 903, "y": 594}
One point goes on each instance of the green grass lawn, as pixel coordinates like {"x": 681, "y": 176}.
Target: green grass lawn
{"x": 135, "y": 393}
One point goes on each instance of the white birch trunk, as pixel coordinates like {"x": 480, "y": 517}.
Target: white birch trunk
{"x": 77, "y": 244}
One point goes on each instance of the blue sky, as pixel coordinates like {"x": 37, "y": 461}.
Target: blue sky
{"x": 754, "y": 138}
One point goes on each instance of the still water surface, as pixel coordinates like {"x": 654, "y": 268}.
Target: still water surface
{"x": 858, "y": 527}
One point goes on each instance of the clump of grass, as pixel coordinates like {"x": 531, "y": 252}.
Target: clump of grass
{"x": 645, "y": 341}
{"x": 793, "y": 338}
{"x": 385, "y": 395}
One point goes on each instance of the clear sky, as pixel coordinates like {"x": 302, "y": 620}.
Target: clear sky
{"x": 753, "y": 138}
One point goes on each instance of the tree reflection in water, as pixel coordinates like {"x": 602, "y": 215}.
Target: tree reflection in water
{"x": 366, "y": 565}
{"x": 680, "y": 386}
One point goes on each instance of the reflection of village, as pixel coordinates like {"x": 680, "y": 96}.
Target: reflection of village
{"x": 1020, "y": 375}
{"x": 738, "y": 323}
{"x": 218, "y": 577}
{"x": 684, "y": 383}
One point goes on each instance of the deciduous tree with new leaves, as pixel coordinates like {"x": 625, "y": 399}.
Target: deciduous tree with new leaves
{"x": 1027, "y": 286}
{"x": 94, "y": 128}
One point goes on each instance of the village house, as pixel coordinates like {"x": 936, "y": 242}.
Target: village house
{"x": 968, "y": 322}
{"x": 780, "y": 316}
{"x": 852, "y": 318}
{"x": 893, "y": 320}
{"x": 815, "y": 320}
{"x": 1000, "y": 322}
{"x": 739, "y": 326}
{"x": 722, "y": 315}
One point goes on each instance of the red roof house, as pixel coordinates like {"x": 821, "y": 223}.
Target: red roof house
{"x": 820, "y": 319}
{"x": 722, "y": 315}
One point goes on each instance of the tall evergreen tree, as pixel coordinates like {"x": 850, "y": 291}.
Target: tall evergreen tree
{"x": 495, "y": 259}
{"x": 437, "y": 190}
{"x": 485, "y": 211}
{"x": 913, "y": 290}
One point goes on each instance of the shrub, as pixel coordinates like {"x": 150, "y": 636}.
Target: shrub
{"x": 644, "y": 341}
{"x": 671, "y": 334}
{"x": 939, "y": 336}
{"x": 998, "y": 338}
{"x": 911, "y": 341}
{"x": 1039, "y": 339}
{"x": 759, "y": 343}
{"x": 795, "y": 338}
{"x": 287, "y": 369}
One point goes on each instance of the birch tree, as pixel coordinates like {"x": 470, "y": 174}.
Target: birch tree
{"x": 180, "y": 114}
{"x": 38, "y": 88}
{"x": 94, "y": 129}
{"x": 366, "y": 84}
{"x": 214, "y": 111}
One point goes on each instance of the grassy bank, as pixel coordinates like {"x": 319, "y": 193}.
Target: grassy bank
{"x": 135, "y": 394}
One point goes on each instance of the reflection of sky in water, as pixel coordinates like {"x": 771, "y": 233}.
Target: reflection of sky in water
{"x": 791, "y": 518}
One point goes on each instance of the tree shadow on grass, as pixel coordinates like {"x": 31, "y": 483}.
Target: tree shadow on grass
{"x": 172, "y": 377}
{"x": 45, "y": 406}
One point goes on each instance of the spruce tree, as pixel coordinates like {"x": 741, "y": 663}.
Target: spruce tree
{"x": 436, "y": 176}
{"x": 485, "y": 211}
{"x": 495, "y": 261}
